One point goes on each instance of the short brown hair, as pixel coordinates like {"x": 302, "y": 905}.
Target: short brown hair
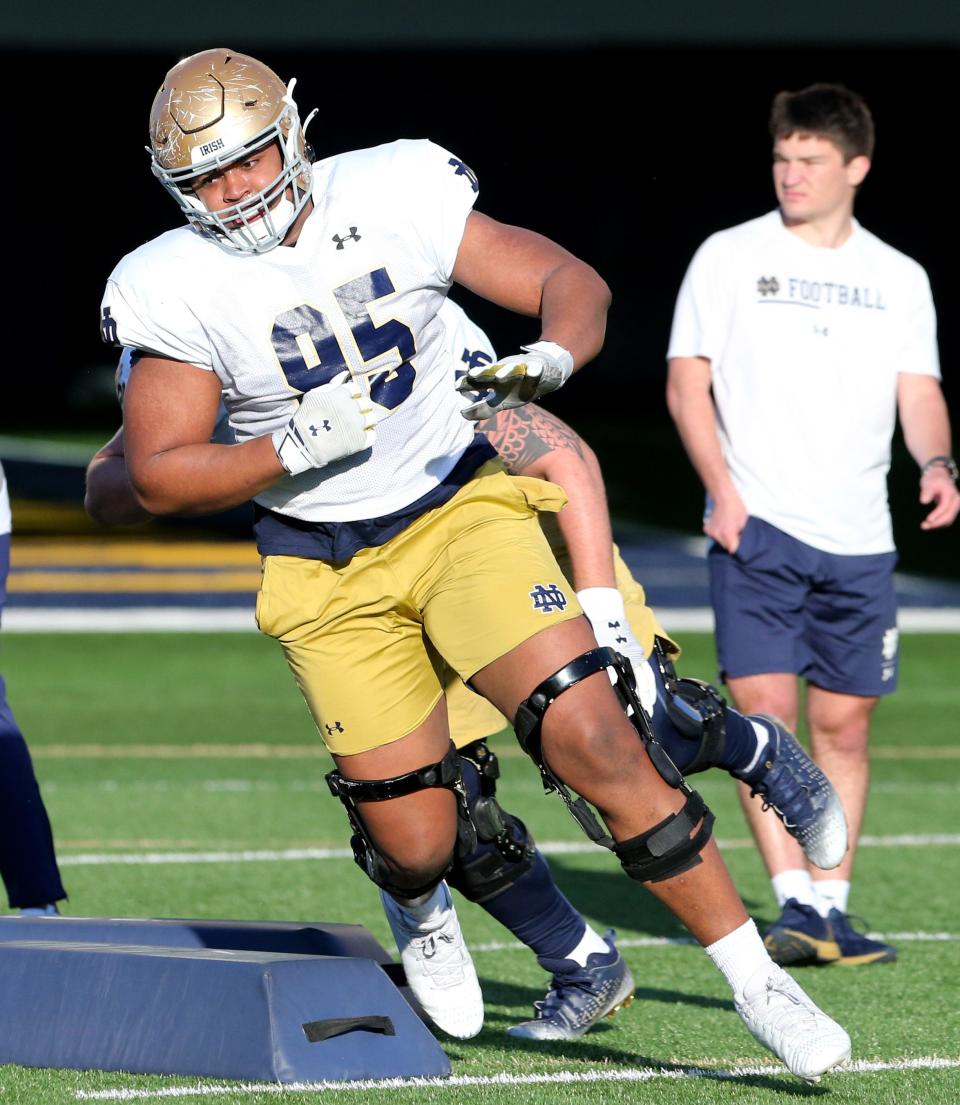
{"x": 827, "y": 111}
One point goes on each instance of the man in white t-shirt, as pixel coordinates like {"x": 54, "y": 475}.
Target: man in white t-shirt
{"x": 28, "y": 863}
{"x": 797, "y": 339}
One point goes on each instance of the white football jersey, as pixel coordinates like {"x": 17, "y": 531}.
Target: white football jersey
{"x": 360, "y": 291}
{"x": 5, "y": 521}
{"x": 465, "y": 343}
{"x": 805, "y": 346}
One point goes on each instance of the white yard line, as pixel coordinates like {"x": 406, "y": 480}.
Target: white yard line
{"x": 549, "y": 848}
{"x": 627, "y": 1074}
{"x": 189, "y": 619}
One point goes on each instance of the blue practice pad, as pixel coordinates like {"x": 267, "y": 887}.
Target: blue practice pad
{"x": 289, "y": 937}
{"x": 204, "y": 1011}
{"x": 256, "y": 1016}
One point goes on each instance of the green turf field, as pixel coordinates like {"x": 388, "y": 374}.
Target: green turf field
{"x": 147, "y": 746}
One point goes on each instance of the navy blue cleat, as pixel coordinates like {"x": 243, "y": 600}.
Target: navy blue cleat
{"x": 579, "y": 996}
{"x": 792, "y": 785}
{"x": 856, "y": 948}
{"x": 801, "y": 937}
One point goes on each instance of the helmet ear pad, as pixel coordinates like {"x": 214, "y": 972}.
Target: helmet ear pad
{"x": 213, "y": 109}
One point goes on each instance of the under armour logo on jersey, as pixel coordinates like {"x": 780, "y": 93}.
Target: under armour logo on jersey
{"x": 335, "y": 728}
{"x": 326, "y": 426}
{"x": 821, "y": 331}
{"x": 465, "y": 170}
{"x": 474, "y": 359}
{"x": 548, "y": 599}
{"x": 353, "y": 236}
{"x": 108, "y": 327}
{"x": 768, "y": 285}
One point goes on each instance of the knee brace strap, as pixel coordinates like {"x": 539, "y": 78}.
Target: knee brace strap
{"x": 491, "y": 821}
{"x": 668, "y": 849}
{"x": 445, "y": 773}
{"x": 529, "y": 721}
{"x": 696, "y": 709}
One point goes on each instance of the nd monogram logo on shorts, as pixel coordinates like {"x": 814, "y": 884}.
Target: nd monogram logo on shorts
{"x": 547, "y": 599}
{"x": 888, "y": 649}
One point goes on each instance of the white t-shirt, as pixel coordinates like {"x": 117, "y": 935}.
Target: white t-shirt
{"x": 805, "y": 345}
{"x": 6, "y": 523}
{"x": 359, "y": 291}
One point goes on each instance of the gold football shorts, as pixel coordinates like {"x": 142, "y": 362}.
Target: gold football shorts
{"x": 367, "y": 639}
{"x": 472, "y": 717}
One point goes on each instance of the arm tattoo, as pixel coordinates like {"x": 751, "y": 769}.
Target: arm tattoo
{"x": 524, "y": 434}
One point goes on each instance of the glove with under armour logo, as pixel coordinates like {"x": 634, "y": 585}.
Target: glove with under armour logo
{"x": 541, "y": 368}
{"x": 333, "y": 421}
{"x": 608, "y": 619}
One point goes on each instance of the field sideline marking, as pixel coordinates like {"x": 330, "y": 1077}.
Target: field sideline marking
{"x": 261, "y": 750}
{"x": 548, "y": 848}
{"x": 628, "y": 1074}
{"x": 187, "y": 619}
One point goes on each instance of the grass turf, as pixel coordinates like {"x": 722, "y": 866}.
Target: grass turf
{"x": 200, "y": 743}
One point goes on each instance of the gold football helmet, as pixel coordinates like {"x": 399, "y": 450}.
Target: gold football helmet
{"x": 212, "y": 109}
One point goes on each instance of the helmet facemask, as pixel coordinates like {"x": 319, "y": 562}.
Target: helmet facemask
{"x": 181, "y": 154}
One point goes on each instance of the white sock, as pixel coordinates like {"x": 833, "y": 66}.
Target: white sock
{"x": 795, "y": 883}
{"x": 739, "y": 955}
{"x": 763, "y": 739}
{"x": 429, "y": 910}
{"x": 831, "y": 894}
{"x": 590, "y": 943}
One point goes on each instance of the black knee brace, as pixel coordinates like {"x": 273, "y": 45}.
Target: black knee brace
{"x": 504, "y": 850}
{"x": 697, "y": 710}
{"x": 663, "y": 851}
{"x": 446, "y": 773}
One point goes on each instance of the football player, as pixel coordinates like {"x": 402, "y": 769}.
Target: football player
{"x": 307, "y": 297}
{"x": 505, "y": 873}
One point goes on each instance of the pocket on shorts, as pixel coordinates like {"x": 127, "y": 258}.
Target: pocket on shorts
{"x": 749, "y": 543}
{"x": 262, "y": 608}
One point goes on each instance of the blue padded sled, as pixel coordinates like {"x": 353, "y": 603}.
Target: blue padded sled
{"x": 289, "y": 937}
{"x": 207, "y": 1012}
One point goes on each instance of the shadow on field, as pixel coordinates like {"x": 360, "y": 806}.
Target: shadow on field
{"x": 613, "y": 899}
{"x": 600, "y": 1047}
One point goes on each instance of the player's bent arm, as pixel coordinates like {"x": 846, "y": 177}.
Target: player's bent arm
{"x": 690, "y": 402}
{"x": 532, "y": 275}
{"x": 925, "y": 422}
{"x": 169, "y": 412}
{"x": 108, "y": 497}
{"x": 533, "y": 442}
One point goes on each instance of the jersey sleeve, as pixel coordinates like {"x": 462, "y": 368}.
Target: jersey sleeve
{"x": 918, "y": 351}
{"x": 701, "y": 314}
{"x": 139, "y": 311}
{"x": 433, "y": 192}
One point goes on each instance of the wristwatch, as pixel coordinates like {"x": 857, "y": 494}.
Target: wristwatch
{"x": 942, "y": 462}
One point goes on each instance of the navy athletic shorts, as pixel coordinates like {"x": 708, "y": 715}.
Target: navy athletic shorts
{"x": 783, "y": 606}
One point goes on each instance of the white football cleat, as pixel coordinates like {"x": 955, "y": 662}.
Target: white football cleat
{"x": 438, "y": 967}
{"x": 781, "y": 1016}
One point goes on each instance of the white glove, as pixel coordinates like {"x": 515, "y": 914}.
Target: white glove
{"x": 333, "y": 421}
{"x": 541, "y": 368}
{"x": 604, "y": 608}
